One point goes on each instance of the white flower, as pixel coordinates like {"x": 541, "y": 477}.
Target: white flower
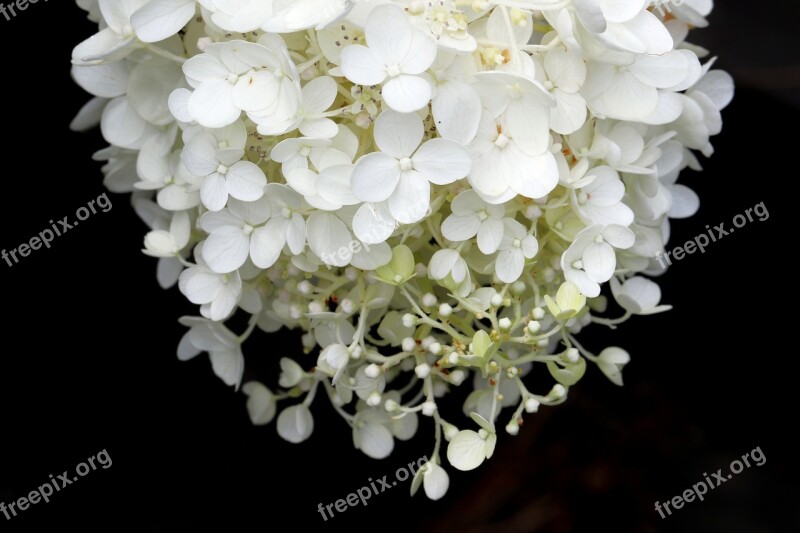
{"x": 611, "y": 361}
{"x": 223, "y": 348}
{"x": 515, "y": 247}
{"x": 217, "y": 294}
{"x": 591, "y": 260}
{"x": 502, "y": 167}
{"x": 295, "y": 423}
{"x": 223, "y": 170}
{"x": 600, "y": 201}
{"x": 260, "y": 403}
{"x": 396, "y": 52}
{"x": 472, "y": 216}
{"x": 116, "y": 40}
{"x": 638, "y": 295}
{"x": 469, "y": 448}
{"x": 401, "y": 173}
{"x": 237, "y": 232}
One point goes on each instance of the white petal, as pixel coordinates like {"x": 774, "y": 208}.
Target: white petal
{"x": 599, "y": 262}
{"x": 361, "y": 66}
{"x": 228, "y": 365}
{"x": 267, "y": 242}
{"x": 226, "y": 249}
{"x": 375, "y": 177}
{"x": 398, "y": 134}
{"x": 211, "y": 104}
{"x": 462, "y": 227}
{"x": 260, "y": 403}
{"x": 457, "y": 112}
{"x": 214, "y": 192}
{"x": 373, "y": 223}
{"x": 435, "y": 481}
{"x": 389, "y": 33}
{"x": 374, "y": 440}
{"x": 329, "y": 238}
{"x": 410, "y": 201}
{"x": 295, "y": 423}
{"x": 161, "y": 19}
{"x": 442, "y": 161}
{"x": 489, "y": 235}
{"x": 407, "y": 93}
{"x": 246, "y": 181}
{"x": 467, "y": 450}
{"x": 509, "y": 265}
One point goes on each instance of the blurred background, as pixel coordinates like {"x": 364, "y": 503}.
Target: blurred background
{"x": 89, "y": 354}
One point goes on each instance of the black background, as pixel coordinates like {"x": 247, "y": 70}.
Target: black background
{"x": 89, "y": 351}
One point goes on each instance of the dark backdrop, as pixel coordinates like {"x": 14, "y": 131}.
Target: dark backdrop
{"x": 89, "y": 351}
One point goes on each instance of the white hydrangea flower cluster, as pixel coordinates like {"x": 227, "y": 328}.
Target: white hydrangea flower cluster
{"x": 433, "y": 191}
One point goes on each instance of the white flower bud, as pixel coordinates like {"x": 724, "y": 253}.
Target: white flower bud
{"x": 537, "y": 313}
{"x": 533, "y": 327}
{"x": 427, "y": 341}
{"x": 496, "y": 300}
{"x": 450, "y": 431}
{"x": 422, "y": 370}
{"x": 512, "y": 428}
{"x": 409, "y": 344}
{"x": 351, "y": 273}
{"x": 409, "y": 320}
{"x": 445, "y": 310}
{"x": 348, "y": 306}
{"x": 504, "y": 323}
{"x": 531, "y": 405}
{"x": 374, "y": 399}
{"x": 356, "y": 351}
{"x": 435, "y": 348}
{"x": 572, "y": 355}
{"x": 428, "y": 300}
{"x": 542, "y": 343}
{"x": 428, "y": 408}
{"x": 372, "y": 371}
{"x": 315, "y": 307}
{"x": 391, "y": 406}
{"x": 457, "y": 377}
{"x": 452, "y": 358}
{"x": 518, "y": 288}
{"x": 305, "y": 287}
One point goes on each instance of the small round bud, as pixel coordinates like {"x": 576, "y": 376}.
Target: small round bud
{"x": 457, "y": 377}
{"x": 295, "y": 313}
{"x": 505, "y": 323}
{"x": 496, "y": 300}
{"x": 450, "y": 431}
{"x": 572, "y": 355}
{"x": 374, "y": 399}
{"x": 512, "y": 428}
{"x": 421, "y": 270}
{"x": 542, "y": 343}
{"x": 315, "y": 307}
{"x": 428, "y": 408}
{"x": 531, "y": 405}
{"x": 427, "y": 341}
{"x": 409, "y": 344}
{"x": 533, "y": 327}
{"x": 537, "y": 313}
{"x": 422, "y": 370}
{"x": 356, "y": 351}
{"x": 351, "y": 273}
{"x": 305, "y": 287}
{"x": 372, "y": 371}
{"x": 452, "y": 359}
{"x": 429, "y": 300}
{"x": 435, "y": 348}
{"x": 409, "y": 320}
{"x": 348, "y": 306}
{"x": 391, "y": 406}
{"x": 533, "y": 212}
{"x": 518, "y": 288}
{"x": 445, "y": 310}
{"x": 557, "y": 392}
{"x": 512, "y": 372}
